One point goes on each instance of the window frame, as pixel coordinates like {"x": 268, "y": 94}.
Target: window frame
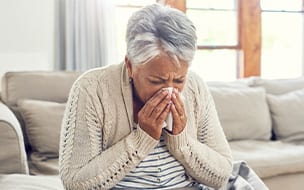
{"x": 300, "y": 11}
{"x": 249, "y": 37}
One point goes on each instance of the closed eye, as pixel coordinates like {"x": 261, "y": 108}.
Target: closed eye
{"x": 178, "y": 81}
{"x": 156, "y": 82}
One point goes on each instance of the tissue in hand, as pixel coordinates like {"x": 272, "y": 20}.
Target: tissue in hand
{"x": 169, "y": 121}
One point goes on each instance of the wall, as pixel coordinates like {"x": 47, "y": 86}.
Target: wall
{"x": 27, "y": 38}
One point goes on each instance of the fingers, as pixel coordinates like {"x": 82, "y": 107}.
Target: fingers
{"x": 178, "y": 113}
{"x": 160, "y": 108}
{"x": 175, "y": 114}
{"x": 152, "y": 103}
{"x": 178, "y": 103}
{"x": 165, "y": 113}
{"x": 151, "y": 117}
{"x": 179, "y": 121}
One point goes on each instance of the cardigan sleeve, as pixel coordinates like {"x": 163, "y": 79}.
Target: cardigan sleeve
{"x": 208, "y": 158}
{"x": 83, "y": 162}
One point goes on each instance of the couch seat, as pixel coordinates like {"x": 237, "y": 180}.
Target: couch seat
{"x": 28, "y": 182}
{"x": 269, "y": 158}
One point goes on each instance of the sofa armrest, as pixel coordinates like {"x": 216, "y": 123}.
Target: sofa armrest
{"x": 12, "y": 155}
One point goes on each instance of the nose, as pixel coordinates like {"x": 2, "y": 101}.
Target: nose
{"x": 169, "y": 84}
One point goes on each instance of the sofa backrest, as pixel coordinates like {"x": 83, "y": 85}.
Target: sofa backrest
{"x": 242, "y": 110}
{"x": 278, "y": 86}
{"x": 39, "y": 85}
{"x": 285, "y": 98}
{"x": 51, "y": 86}
{"x": 250, "y": 108}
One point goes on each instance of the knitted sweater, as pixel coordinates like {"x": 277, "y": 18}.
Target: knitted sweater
{"x": 98, "y": 146}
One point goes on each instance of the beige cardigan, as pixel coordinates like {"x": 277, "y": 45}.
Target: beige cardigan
{"x": 98, "y": 146}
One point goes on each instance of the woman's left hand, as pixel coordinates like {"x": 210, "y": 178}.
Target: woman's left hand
{"x": 178, "y": 113}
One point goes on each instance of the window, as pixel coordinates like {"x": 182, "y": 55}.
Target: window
{"x": 282, "y": 38}
{"x": 237, "y": 38}
{"x": 216, "y": 22}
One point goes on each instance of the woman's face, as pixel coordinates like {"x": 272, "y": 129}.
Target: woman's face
{"x": 156, "y": 74}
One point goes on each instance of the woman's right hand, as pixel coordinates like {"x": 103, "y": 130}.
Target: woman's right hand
{"x": 153, "y": 114}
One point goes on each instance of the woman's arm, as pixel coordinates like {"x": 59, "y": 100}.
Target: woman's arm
{"x": 208, "y": 158}
{"x": 83, "y": 162}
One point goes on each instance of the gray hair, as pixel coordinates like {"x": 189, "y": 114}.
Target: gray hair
{"x": 157, "y": 28}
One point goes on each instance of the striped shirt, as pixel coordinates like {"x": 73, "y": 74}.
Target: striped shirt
{"x": 159, "y": 170}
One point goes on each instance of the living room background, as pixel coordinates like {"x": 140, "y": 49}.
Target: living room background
{"x": 243, "y": 38}
{"x": 262, "y": 117}
{"x": 27, "y": 35}
{"x": 238, "y": 38}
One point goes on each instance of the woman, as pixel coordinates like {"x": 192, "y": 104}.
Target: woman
{"x": 112, "y": 132}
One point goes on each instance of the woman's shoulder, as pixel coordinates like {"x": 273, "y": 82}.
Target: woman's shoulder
{"x": 99, "y": 76}
{"x": 195, "y": 82}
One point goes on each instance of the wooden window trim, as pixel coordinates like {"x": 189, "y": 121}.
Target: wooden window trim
{"x": 249, "y": 15}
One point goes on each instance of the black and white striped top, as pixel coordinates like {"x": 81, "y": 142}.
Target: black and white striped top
{"x": 159, "y": 170}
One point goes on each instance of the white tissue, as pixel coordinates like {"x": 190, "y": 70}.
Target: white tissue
{"x": 169, "y": 121}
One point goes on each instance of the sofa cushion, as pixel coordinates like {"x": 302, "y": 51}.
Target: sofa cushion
{"x": 39, "y": 85}
{"x": 42, "y": 123}
{"x": 294, "y": 180}
{"x": 287, "y": 115}
{"x": 240, "y": 83}
{"x": 279, "y": 86}
{"x": 270, "y": 158}
{"x": 243, "y": 112}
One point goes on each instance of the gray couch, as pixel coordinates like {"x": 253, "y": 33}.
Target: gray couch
{"x": 30, "y": 115}
{"x": 264, "y": 123}
{"x": 252, "y": 112}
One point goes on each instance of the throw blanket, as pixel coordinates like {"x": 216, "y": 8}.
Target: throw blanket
{"x": 242, "y": 178}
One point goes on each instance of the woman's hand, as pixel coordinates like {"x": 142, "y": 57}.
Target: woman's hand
{"x": 178, "y": 113}
{"x": 152, "y": 116}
